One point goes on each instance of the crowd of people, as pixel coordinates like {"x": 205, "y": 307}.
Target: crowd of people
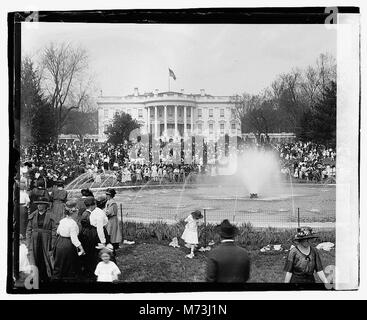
{"x": 78, "y": 238}
{"x": 82, "y": 245}
{"x": 307, "y": 161}
{"x": 64, "y": 162}
{"x": 71, "y": 239}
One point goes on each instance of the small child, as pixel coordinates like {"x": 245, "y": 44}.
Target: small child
{"x": 106, "y": 271}
{"x": 190, "y": 234}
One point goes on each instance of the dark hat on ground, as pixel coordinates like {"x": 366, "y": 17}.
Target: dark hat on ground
{"x": 42, "y": 200}
{"x": 227, "y": 230}
{"x": 89, "y": 201}
{"x": 304, "y": 233}
{"x": 197, "y": 214}
{"x": 111, "y": 192}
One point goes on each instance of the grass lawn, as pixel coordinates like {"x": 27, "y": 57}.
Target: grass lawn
{"x": 156, "y": 261}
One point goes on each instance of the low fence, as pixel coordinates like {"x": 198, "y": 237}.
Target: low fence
{"x": 258, "y": 218}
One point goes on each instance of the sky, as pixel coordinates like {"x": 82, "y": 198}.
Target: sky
{"x": 223, "y": 59}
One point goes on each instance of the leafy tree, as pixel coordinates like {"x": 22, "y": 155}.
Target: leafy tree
{"x": 37, "y": 123}
{"x": 119, "y": 130}
{"x": 319, "y": 124}
{"x": 43, "y": 129}
{"x": 81, "y": 123}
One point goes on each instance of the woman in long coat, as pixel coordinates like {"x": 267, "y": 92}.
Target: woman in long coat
{"x": 41, "y": 236}
{"x": 58, "y": 197}
{"x": 113, "y": 227}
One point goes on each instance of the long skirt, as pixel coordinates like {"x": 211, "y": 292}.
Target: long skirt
{"x": 302, "y": 279}
{"x": 113, "y": 229}
{"x": 89, "y": 239}
{"x": 67, "y": 264}
{"x": 40, "y": 255}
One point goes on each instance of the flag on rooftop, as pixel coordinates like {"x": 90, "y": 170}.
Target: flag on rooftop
{"x": 172, "y": 74}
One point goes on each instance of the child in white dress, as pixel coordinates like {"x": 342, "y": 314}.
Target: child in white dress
{"x": 190, "y": 234}
{"x": 107, "y": 270}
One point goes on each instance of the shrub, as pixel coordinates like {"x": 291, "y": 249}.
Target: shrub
{"x": 247, "y": 236}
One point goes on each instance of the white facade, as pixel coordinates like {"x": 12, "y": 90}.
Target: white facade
{"x": 172, "y": 114}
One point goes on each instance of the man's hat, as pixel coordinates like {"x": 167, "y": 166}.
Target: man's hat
{"x": 42, "y": 200}
{"x": 197, "y": 214}
{"x": 304, "y": 233}
{"x": 227, "y": 230}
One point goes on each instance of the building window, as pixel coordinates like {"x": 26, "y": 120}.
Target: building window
{"x": 211, "y": 128}
{"x": 222, "y": 128}
{"x": 200, "y": 113}
{"x": 233, "y": 126}
{"x": 140, "y": 113}
{"x": 200, "y": 128}
{"x": 170, "y": 112}
{"x": 233, "y": 113}
{"x": 160, "y": 113}
{"x": 210, "y": 113}
{"x": 189, "y": 112}
{"x": 222, "y": 113}
{"x": 180, "y": 112}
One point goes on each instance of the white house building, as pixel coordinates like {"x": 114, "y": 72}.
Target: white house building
{"x": 172, "y": 114}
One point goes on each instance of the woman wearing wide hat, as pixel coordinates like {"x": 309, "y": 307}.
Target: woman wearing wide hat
{"x": 41, "y": 236}
{"x": 111, "y": 210}
{"x": 67, "y": 264}
{"x": 37, "y": 192}
{"x": 303, "y": 259}
{"x": 58, "y": 198}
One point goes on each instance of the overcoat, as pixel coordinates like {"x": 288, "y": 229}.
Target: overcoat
{"x": 41, "y": 241}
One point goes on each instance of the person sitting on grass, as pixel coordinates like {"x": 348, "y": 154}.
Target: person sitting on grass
{"x": 106, "y": 270}
{"x": 303, "y": 259}
{"x": 228, "y": 263}
{"x": 190, "y": 234}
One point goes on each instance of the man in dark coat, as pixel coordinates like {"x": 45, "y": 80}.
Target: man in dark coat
{"x": 41, "y": 236}
{"x": 228, "y": 262}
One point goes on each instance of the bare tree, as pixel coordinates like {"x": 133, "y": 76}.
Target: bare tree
{"x": 63, "y": 70}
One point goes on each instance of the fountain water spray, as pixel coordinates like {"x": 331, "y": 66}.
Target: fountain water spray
{"x": 259, "y": 171}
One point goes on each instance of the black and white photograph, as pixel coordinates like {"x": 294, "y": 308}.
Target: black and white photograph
{"x": 184, "y": 151}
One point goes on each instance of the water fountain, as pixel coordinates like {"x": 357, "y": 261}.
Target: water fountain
{"x": 259, "y": 171}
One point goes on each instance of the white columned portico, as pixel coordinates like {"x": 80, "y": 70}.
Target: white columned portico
{"x": 175, "y": 120}
{"x": 156, "y": 121}
{"x": 192, "y": 120}
{"x": 148, "y": 120}
{"x": 165, "y": 120}
{"x": 185, "y": 121}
